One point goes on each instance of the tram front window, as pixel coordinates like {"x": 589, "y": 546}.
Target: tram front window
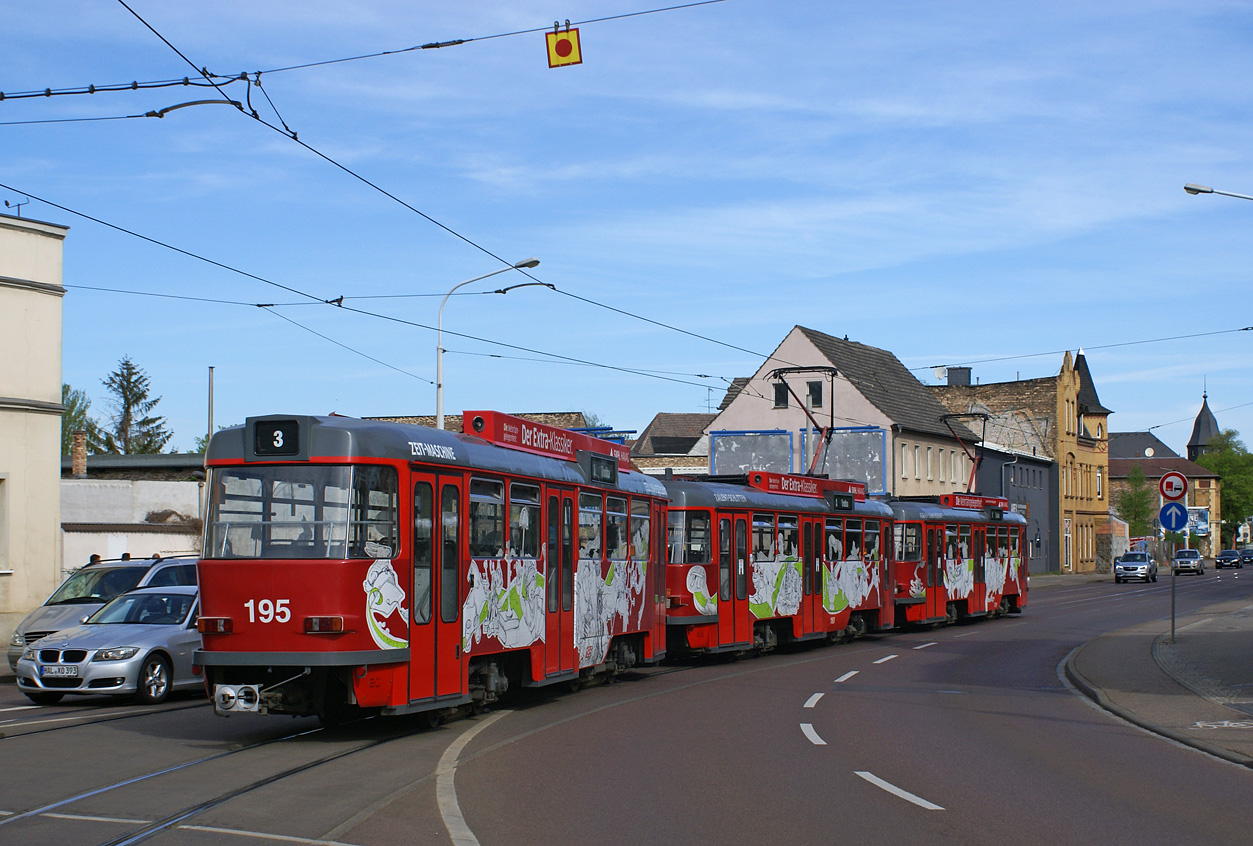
{"x": 302, "y": 511}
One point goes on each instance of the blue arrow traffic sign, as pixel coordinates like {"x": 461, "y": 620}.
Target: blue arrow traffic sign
{"x": 1173, "y": 516}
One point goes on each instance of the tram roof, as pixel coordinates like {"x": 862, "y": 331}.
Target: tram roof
{"x": 935, "y": 513}
{"x": 685, "y": 493}
{"x": 351, "y": 439}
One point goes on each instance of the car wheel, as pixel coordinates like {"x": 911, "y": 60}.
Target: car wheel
{"x": 42, "y": 697}
{"x": 1117, "y": 580}
{"x": 155, "y": 678}
{"x": 1154, "y": 577}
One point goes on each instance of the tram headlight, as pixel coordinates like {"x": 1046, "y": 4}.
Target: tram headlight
{"x": 224, "y": 697}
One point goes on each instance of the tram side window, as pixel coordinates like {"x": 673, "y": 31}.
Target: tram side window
{"x": 872, "y": 540}
{"x": 372, "y": 527}
{"x": 724, "y": 559}
{"x": 763, "y": 537}
{"x": 835, "y": 539}
{"x": 449, "y": 584}
{"x": 907, "y": 538}
{"x": 951, "y": 552}
{"x": 423, "y": 520}
{"x": 616, "y": 536}
{"x": 487, "y": 518}
{"x": 590, "y": 507}
{"x": 524, "y": 528}
{"x": 1002, "y": 541}
{"x": 689, "y": 539}
{"x": 639, "y": 530}
{"x": 1015, "y": 548}
{"x": 852, "y": 539}
{"x": 788, "y": 539}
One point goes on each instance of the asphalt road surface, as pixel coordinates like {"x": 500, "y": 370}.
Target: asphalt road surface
{"x": 963, "y": 734}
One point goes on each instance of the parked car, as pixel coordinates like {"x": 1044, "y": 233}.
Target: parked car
{"x": 90, "y": 587}
{"x": 1189, "y": 560}
{"x": 140, "y": 644}
{"x": 1227, "y": 558}
{"x": 1135, "y": 565}
{"x": 1246, "y": 556}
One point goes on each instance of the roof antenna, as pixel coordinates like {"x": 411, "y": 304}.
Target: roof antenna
{"x": 17, "y": 206}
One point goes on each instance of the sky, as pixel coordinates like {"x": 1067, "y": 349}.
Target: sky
{"x": 960, "y": 183}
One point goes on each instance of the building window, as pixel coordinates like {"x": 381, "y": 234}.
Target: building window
{"x": 917, "y": 466}
{"x": 904, "y": 464}
{"x": 952, "y": 457}
{"x": 929, "y": 474}
{"x": 780, "y": 395}
{"x": 815, "y": 394}
{"x": 1099, "y": 494}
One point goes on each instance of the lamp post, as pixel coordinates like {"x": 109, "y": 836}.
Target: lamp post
{"x": 1205, "y": 189}
{"x": 439, "y": 335}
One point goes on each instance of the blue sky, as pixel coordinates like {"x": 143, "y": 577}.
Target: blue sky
{"x": 953, "y": 182}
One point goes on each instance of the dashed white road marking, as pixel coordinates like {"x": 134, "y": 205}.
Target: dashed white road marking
{"x": 885, "y": 659}
{"x": 88, "y": 818}
{"x": 261, "y": 835}
{"x": 925, "y": 645}
{"x": 896, "y": 791}
{"x": 446, "y": 791}
{"x": 846, "y": 676}
{"x": 813, "y": 700}
{"x": 809, "y": 732}
{"x": 19, "y": 708}
{"x": 966, "y": 634}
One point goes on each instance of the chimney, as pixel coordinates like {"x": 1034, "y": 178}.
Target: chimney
{"x": 78, "y": 455}
{"x": 959, "y": 377}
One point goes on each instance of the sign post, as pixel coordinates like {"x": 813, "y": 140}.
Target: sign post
{"x": 1174, "y": 516}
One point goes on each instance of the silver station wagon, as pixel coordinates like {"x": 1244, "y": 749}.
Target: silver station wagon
{"x": 140, "y": 644}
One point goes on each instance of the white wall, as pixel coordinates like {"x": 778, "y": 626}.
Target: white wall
{"x": 106, "y": 501}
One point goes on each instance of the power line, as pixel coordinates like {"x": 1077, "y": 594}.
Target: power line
{"x": 350, "y": 349}
{"x": 187, "y": 81}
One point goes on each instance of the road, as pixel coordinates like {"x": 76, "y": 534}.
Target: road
{"x": 964, "y": 734}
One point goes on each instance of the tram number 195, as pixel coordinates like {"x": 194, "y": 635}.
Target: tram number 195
{"x": 268, "y": 610}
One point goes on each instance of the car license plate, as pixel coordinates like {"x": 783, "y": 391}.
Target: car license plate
{"x": 59, "y": 670}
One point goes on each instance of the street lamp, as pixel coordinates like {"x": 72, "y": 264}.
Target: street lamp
{"x": 1205, "y": 189}
{"x": 439, "y": 335}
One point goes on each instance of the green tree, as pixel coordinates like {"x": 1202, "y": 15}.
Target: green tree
{"x": 75, "y": 418}
{"x": 1135, "y": 503}
{"x": 1226, "y": 455}
{"x": 133, "y": 428}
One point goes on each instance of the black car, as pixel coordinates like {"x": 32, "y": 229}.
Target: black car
{"x": 1227, "y": 558}
{"x": 1246, "y": 556}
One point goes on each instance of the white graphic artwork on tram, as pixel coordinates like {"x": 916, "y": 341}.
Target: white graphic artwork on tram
{"x": 697, "y": 584}
{"x": 505, "y": 602}
{"x": 959, "y": 577}
{"x": 384, "y": 606}
{"x": 776, "y": 587}
{"x": 602, "y": 606}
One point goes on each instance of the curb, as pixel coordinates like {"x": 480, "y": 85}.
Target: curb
{"x": 1098, "y": 696}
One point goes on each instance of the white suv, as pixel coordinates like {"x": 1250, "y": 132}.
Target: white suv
{"x": 1189, "y": 560}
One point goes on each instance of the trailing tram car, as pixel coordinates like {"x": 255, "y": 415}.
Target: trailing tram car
{"x": 769, "y": 558}
{"x": 956, "y": 557}
{"x": 362, "y": 563}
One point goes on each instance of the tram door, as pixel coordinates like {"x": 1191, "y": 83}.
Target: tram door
{"x": 735, "y": 625}
{"x": 936, "y": 594}
{"x": 436, "y": 663}
{"x": 559, "y": 583}
{"x": 813, "y": 614}
{"x": 979, "y": 596}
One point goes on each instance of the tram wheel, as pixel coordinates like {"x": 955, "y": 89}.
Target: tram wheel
{"x": 434, "y": 718}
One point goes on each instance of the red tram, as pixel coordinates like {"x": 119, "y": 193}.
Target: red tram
{"x": 957, "y": 556}
{"x": 352, "y": 562}
{"x": 767, "y": 558}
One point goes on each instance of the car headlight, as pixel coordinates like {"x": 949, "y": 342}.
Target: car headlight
{"x": 18, "y": 639}
{"x": 29, "y": 654}
{"x": 117, "y": 653}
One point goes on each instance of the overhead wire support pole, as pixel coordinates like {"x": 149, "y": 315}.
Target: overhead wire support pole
{"x": 975, "y": 459}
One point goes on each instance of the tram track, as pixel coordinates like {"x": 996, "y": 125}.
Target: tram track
{"x": 11, "y": 729}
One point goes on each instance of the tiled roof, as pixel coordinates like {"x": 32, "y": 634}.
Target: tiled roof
{"x": 879, "y": 376}
{"x": 1154, "y": 468}
{"x": 672, "y": 433}
{"x": 1134, "y": 444}
{"x": 733, "y": 391}
{"x": 452, "y": 422}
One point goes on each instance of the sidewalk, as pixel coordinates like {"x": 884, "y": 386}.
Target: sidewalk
{"x": 1197, "y": 690}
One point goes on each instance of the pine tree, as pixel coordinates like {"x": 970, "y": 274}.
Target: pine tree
{"x": 133, "y": 429}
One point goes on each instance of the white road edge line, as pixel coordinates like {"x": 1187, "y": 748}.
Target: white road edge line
{"x": 808, "y": 730}
{"x": 885, "y": 659}
{"x": 446, "y": 790}
{"x": 20, "y": 708}
{"x": 896, "y": 791}
{"x": 813, "y": 700}
{"x": 846, "y": 676}
{"x": 925, "y": 645}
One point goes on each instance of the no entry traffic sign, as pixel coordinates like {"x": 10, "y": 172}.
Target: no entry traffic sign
{"x": 1173, "y": 485}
